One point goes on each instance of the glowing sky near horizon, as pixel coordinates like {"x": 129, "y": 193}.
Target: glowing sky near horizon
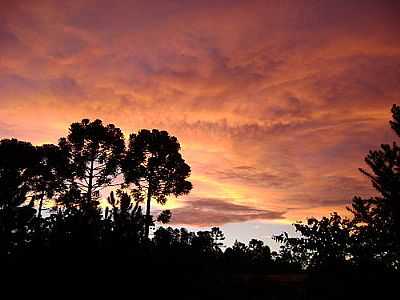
{"x": 275, "y": 103}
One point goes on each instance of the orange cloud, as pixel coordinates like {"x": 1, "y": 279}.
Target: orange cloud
{"x": 275, "y": 104}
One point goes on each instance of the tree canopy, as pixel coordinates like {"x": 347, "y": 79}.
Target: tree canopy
{"x": 155, "y": 166}
{"x": 94, "y": 152}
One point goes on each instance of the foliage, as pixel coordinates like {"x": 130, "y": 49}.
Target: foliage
{"x": 17, "y": 159}
{"x": 156, "y": 168}
{"x": 371, "y": 238}
{"x": 79, "y": 235}
{"x": 324, "y": 243}
{"x": 94, "y": 154}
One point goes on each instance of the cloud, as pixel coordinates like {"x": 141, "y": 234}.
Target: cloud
{"x": 5, "y": 130}
{"x": 275, "y": 105}
{"x": 209, "y": 212}
{"x": 67, "y": 88}
{"x": 254, "y": 176}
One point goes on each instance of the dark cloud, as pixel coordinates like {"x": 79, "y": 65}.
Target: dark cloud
{"x": 211, "y": 211}
{"x": 253, "y": 176}
{"x": 14, "y": 88}
{"x": 67, "y": 88}
{"x": 8, "y": 40}
{"x": 66, "y": 47}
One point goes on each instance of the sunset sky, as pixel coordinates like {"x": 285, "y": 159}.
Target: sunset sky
{"x": 275, "y": 103}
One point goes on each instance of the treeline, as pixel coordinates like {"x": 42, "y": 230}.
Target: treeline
{"x": 50, "y": 202}
{"x": 52, "y": 223}
{"x": 51, "y": 218}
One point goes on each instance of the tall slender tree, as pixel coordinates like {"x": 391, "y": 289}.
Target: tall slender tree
{"x": 385, "y": 177}
{"x": 156, "y": 168}
{"x": 380, "y": 216}
{"x": 94, "y": 151}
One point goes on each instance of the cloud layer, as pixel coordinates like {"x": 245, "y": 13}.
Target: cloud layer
{"x": 274, "y": 103}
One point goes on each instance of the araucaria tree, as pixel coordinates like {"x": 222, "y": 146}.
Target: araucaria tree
{"x": 95, "y": 152}
{"x": 155, "y": 167}
{"x": 380, "y": 216}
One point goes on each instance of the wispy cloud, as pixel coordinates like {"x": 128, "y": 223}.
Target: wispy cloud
{"x": 217, "y": 212}
{"x": 275, "y": 104}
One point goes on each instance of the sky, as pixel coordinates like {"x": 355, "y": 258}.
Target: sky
{"x": 275, "y": 103}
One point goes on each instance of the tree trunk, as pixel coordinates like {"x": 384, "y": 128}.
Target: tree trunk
{"x": 38, "y": 229}
{"x": 4, "y": 233}
{"x": 90, "y": 185}
{"x": 147, "y": 223}
{"x": 40, "y": 206}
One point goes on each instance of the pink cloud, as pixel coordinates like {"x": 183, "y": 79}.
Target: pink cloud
{"x": 275, "y": 104}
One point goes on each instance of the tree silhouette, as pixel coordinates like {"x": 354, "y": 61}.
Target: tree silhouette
{"x": 156, "y": 168}
{"x": 379, "y": 217}
{"x": 371, "y": 239}
{"x": 95, "y": 152}
{"x": 79, "y": 235}
{"x": 260, "y": 254}
{"x": 127, "y": 218}
{"x": 167, "y": 237}
{"x": 164, "y": 217}
{"x": 203, "y": 243}
{"x": 324, "y": 243}
{"x": 254, "y": 257}
{"x": 16, "y": 162}
{"x": 218, "y": 238}
{"x": 49, "y": 174}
